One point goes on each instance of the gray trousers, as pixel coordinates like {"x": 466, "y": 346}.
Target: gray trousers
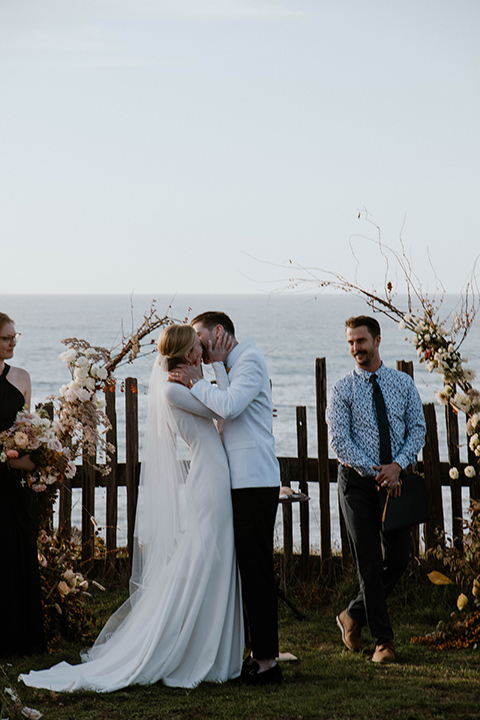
{"x": 381, "y": 558}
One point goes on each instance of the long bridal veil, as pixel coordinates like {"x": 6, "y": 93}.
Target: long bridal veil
{"x": 164, "y": 505}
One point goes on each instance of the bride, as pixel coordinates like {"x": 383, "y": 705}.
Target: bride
{"x": 182, "y": 623}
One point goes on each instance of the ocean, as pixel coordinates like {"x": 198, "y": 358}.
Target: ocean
{"x": 291, "y": 328}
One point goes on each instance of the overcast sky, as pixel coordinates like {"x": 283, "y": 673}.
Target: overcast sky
{"x": 163, "y": 146}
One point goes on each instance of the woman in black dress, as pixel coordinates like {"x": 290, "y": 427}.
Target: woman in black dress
{"x": 21, "y": 614}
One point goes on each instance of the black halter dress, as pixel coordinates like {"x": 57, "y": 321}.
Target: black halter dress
{"x": 21, "y": 614}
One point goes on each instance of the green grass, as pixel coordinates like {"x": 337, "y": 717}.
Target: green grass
{"x": 327, "y": 682}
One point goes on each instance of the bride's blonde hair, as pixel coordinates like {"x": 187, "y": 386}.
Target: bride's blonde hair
{"x": 175, "y": 342}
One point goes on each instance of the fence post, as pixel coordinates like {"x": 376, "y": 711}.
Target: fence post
{"x": 406, "y": 366}
{"x": 455, "y": 485}
{"x": 131, "y": 460}
{"x": 88, "y": 511}
{"x": 111, "y": 480}
{"x": 302, "y": 448}
{"x": 433, "y": 480}
{"x": 65, "y": 507}
{"x": 323, "y": 465}
{"x": 287, "y": 523}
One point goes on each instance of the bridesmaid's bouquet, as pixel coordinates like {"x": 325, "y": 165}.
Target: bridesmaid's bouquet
{"x": 34, "y": 434}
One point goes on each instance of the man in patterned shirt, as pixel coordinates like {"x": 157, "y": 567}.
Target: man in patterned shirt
{"x": 381, "y": 558}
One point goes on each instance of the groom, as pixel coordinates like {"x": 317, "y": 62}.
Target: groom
{"x": 246, "y": 409}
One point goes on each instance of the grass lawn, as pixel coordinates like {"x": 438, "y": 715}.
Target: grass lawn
{"x": 326, "y": 682}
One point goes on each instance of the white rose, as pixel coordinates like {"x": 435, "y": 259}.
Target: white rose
{"x": 71, "y": 395}
{"x": 82, "y": 361}
{"x": 473, "y": 442}
{"x": 69, "y": 576}
{"x": 462, "y": 402}
{"x": 441, "y": 397}
{"x": 99, "y": 402}
{"x": 453, "y": 472}
{"x": 90, "y": 383}
{"x": 41, "y": 422}
{"x": 475, "y": 419}
{"x": 68, "y": 356}
{"x": 470, "y": 471}
{"x": 83, "y": 395}
{"x": 90, "y": 352}
{"x": 99, "y": 372}
{"x": 70, "y": 470}
{"x": 81, "y": 374}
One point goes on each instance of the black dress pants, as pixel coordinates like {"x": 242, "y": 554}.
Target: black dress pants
{"x": 254, "y": 512}
{"x": 381, "y": 558}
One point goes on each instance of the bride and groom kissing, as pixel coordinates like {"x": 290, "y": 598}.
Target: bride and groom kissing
{"x": 202, "y": 568}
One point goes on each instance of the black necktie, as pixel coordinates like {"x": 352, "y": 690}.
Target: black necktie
{"x": 382, "y": 420}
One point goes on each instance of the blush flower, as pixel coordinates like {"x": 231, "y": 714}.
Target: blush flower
{"x": 55, "y": 445}
{"x": 21, "y": 439}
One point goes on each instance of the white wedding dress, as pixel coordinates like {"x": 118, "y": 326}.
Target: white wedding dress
{"x": 182, "y": 623}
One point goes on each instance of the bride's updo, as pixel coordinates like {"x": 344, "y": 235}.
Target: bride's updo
{"x": 175, "y": 342}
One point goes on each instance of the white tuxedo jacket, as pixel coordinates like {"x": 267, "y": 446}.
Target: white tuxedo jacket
{"x": 243, "y": 399}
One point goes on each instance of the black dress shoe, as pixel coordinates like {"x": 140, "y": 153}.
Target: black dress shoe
{"x": 246, "y": 665}
{"x": 252, "y": 676}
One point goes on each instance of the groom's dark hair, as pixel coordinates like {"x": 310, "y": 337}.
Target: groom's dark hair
{"x": 211, "y": 318}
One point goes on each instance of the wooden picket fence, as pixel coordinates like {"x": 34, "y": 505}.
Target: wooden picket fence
{"x": 299, "y": 472}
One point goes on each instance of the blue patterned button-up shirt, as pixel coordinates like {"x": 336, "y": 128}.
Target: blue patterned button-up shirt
{"x": 352, "y": 419}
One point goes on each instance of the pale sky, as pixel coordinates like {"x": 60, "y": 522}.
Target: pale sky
{"x": 163, "y": 146}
